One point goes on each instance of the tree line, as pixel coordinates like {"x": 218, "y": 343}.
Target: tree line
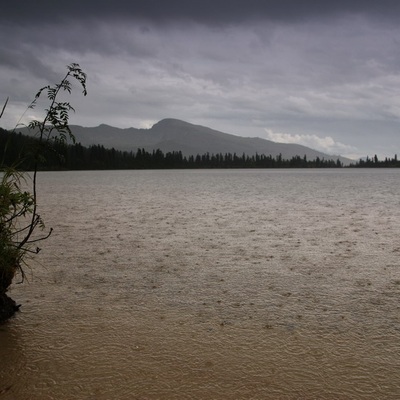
{"x": 374, "y": 162}
{"x": 60, "y": 156}
{"x": 15, "y": 146}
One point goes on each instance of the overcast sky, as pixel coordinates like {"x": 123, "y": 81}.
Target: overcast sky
{"x": 322, "y": 74}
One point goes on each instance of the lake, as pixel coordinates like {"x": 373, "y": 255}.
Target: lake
{"x": 210, "y": 284}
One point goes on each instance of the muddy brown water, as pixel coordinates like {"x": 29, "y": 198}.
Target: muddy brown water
{"x": 220, "y": 284}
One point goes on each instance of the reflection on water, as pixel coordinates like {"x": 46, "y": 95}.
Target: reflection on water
{"x": 211, "y": 285}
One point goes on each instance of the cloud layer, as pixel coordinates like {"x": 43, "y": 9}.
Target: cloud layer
{"x": 326, "y": 75}
{"x": 325, "y": 144}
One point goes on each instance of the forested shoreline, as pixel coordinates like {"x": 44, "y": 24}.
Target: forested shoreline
{"x": 15, "y": 146}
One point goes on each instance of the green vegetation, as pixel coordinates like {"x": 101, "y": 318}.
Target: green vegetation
{"x": 19, "y": 218}
{"x": 376, "y": 163}
{"x": 61, "y": 156}
{"x": 77, "y": 157}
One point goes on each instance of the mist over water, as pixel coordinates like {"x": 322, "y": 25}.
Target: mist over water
{"x": 210, "y": 284}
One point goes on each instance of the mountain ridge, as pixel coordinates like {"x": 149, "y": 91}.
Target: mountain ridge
{"x": 171, "y": 134}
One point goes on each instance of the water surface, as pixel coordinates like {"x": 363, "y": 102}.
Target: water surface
{"x": 211, "y": 284}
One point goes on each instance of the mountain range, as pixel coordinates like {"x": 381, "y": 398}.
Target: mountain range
{"x": 175, "y": 135}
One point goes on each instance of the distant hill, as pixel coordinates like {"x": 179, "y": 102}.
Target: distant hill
{"x": 175, "y": 135}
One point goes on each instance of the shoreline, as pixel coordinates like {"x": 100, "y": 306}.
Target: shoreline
{"x": 8, "y": 307}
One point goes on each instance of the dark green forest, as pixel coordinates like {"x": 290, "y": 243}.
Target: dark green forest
{"x": 59, "y": 156}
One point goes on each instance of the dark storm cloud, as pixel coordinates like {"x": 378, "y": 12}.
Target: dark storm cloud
{"x": 203, "y": 11}
{"x": 319, "y": 73}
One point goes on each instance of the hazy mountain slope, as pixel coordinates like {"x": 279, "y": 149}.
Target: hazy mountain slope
{"x": 174, "y": 135}
{"x": 196, "y": 139}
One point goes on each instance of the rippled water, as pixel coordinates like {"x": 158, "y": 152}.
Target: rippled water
{"x": 222, "y": 284}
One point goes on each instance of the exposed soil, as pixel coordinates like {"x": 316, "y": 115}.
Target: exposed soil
{"x": 8, "y": 307}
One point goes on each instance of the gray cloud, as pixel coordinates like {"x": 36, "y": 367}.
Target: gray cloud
{"x": 204, "y": 11}
{"x": 296, "y": 68}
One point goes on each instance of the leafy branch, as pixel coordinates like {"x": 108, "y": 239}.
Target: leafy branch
{"x": 19, "y": 216}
